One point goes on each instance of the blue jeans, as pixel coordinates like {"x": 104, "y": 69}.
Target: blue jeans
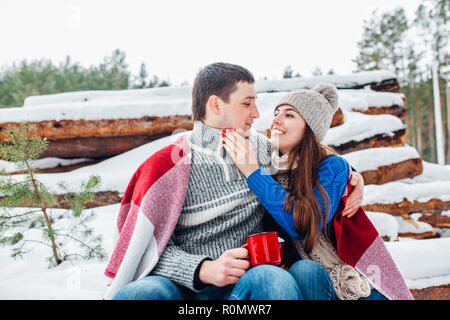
{"x": 263, "y": 282}
{"x": 315, "y": 283}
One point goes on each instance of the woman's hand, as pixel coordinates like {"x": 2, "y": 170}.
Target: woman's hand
{"x": 355, "y": 197}
{"x": 240, "y": 151}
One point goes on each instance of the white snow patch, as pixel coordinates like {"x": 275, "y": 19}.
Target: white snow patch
{"x": 423, "y": 263}
{"x": 386, "y": 224}
{"x": 397, "y": 191}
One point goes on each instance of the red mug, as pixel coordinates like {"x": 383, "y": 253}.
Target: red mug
{"x": 264, "y": 248}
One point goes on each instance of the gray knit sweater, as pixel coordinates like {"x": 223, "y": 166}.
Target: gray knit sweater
{"x": 219, "y": 210}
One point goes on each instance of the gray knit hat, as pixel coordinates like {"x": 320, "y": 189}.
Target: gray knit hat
{"x": 317, "y": 106}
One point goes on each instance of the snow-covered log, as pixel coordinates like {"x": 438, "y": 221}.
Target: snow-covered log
{"x": 360, "y": 131}
{"x": 399, "y": 198}
{"x": 372, "y": 102}
{"x": 382, "y": 165}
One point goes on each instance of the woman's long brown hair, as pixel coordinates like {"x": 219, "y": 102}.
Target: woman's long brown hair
{"x": 307, "y": 212}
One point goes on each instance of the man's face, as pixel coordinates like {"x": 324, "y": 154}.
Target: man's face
{"x": 240, "y": 111}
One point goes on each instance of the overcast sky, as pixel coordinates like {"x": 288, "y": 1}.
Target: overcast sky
{"x": 177, "y": 37}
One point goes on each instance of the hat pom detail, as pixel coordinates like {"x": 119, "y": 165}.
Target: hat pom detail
{"x": 329, "y": 92}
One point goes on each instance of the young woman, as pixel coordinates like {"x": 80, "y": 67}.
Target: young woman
{"x": 306, "y": 192}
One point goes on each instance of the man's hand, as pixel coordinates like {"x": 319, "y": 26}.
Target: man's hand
{"x": 227, "y": 269}
{"x": 355, "y": 198}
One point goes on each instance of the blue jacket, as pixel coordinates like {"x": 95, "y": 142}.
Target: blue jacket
{"x": 333, "y": 173}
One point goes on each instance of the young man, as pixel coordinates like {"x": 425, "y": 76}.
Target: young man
{"x": 203, "y": 258}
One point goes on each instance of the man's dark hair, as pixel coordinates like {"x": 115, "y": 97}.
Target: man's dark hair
{"x": 218, "y": 79}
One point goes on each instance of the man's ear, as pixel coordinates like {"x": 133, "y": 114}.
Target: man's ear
{"x": 213, "y": 104}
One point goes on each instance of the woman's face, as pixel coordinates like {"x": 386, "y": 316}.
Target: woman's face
{"x": 287, "y": 128}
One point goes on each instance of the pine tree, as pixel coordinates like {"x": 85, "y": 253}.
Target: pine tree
{"x": 153, "y": 82}
{"x": 287, "y": 73}
{"x": 432, "y": 20}
{"x": 117, "y": 70}
{"x": 317, "y": 72}
{"x": 22, "y": 147}
{"x": 371, "y": 50}
{"x": 141, "y": 80}
{"x": 381, "y": 46}
{"x": 410, "y": 89}
{"x": 164, "y": 83}
{"x": 393, "y": 27}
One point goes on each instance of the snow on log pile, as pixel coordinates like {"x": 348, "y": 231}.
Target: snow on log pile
{"x": 380, "y": 80}
{"x": 361, "y": 131}
{"x": 372, "y": 102}
{"x": 386, "y": 164}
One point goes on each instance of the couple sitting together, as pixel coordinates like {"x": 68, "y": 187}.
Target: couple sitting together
{"x": 190, "y": 206}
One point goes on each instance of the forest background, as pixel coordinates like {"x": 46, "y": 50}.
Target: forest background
{"x": 389, "y": 41}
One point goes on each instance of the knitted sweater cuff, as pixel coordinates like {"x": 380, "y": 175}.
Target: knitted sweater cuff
{"x": 198, "y": 284}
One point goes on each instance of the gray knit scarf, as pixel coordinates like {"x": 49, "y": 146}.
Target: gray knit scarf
{"x": 281, "y": 162}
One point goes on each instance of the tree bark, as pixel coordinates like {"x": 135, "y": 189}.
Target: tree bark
{"x": 448, "y": 122}
{"x": 430, "y": 130}
{"x": 419, "y": 130}
{"x": 44, "y": 212}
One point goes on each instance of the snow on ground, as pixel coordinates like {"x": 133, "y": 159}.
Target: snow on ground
{"x": 386, "y": 224}
{"x": 423, "y": 263}
{"x": 30, "y": 277}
